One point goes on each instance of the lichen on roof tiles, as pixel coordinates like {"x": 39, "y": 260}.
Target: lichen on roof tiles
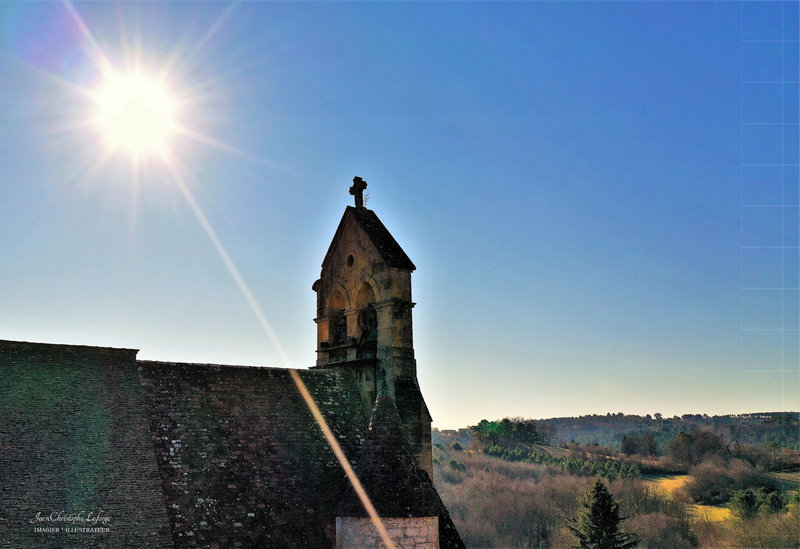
{"x": 274, "y": 453}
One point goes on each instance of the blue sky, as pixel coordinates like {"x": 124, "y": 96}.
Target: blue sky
{"x": 601, "y": 198}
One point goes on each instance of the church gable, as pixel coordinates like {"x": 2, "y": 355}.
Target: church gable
{"x": 364, "y": 265}
{"x": 361, "y": 229}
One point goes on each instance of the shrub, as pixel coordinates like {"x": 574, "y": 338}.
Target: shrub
{"x": 778, "y": 531}
{"x": 659, "y": 530}
{"x": 457, "y": 466}
{"x": 497, "y": 503}
{"x": 714, "y": 482}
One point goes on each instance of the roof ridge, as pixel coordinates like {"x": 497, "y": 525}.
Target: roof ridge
{"x": 11, "y": 343}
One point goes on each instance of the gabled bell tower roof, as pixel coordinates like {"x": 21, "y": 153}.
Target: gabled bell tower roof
{"x": 380, "y": 236}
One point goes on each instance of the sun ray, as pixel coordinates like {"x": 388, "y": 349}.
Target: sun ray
{"x": 215, "y": 27}
{"x": 217, "y": 144}
{"x": 93, "y": 49}
{"x": 228, "y": 262}
{"x": 337, "y": 451}
{"x": 201, "y": 88}
{"x": 180, "y": 53}
{"x": 273, "y": 337}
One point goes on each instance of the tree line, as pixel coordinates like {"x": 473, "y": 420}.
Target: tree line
{"x": 606, "y": 468}
{"x": 781, "y": 429}
{"x": 511, "y": 432}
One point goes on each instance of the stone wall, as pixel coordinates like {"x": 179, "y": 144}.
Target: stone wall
{"x": 406, "y": 533}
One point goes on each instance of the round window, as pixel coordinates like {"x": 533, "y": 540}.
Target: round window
{"x": 350, "y": 260}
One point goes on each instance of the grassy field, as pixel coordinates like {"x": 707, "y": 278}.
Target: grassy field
{"x": 669, "y": 484}
{"x": 712, "y": 513}
{"x": 791, "y": 480}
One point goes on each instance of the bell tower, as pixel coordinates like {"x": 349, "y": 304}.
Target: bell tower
{"x": 364, "y": 317}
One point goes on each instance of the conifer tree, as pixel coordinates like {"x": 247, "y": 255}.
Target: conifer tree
{"x": 597, "y": 524}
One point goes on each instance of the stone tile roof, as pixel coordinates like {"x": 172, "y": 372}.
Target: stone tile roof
{"x": 177, "y": 455}
{"x": 388, "y": 471}
{"x": 380, "y": 236}
{"x": 242, "y": 460}
{"x": 75, "y": 437}
{"x": 389, "y": 474}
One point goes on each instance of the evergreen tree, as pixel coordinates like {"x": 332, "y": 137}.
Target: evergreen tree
{"x": 747, "y": 503}
{"x": 597, "y": 525}
{"x": 744, "y": 503}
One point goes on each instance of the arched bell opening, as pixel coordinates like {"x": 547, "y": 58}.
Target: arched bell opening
{"x": 367, "y": 343}
{"x": 338, "y": 320}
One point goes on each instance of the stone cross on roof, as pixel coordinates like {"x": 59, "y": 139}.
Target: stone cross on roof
{"x": 357, "y": 190}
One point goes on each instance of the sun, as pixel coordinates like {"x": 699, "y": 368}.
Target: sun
{"x": 136, "y": 113}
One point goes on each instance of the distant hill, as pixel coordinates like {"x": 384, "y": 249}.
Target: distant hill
{"x": 779, "y": 429}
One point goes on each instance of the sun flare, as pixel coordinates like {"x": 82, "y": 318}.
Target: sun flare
{"x": 136, "y": 113}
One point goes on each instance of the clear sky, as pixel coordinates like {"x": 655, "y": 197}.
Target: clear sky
{"x": 601, "y": 198}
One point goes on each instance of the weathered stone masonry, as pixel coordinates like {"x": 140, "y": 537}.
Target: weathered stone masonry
{"x": 410, "y": 533}
{"x": 364, "y": 320}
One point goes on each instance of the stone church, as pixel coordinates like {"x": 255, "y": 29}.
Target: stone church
{"x": 99, "y": 449}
